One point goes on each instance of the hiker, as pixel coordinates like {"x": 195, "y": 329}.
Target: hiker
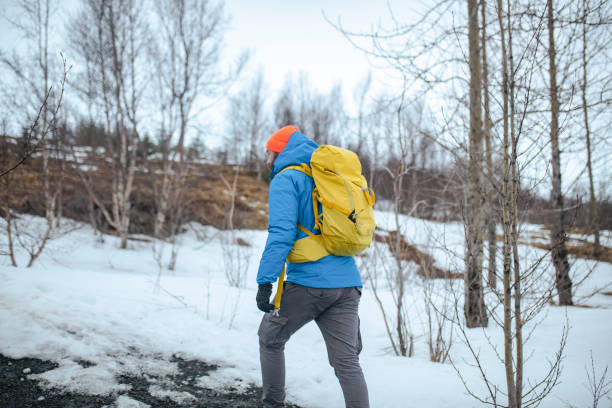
{"x": 327, "y": 290}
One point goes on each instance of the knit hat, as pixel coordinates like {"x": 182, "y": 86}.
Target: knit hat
{"x": 278, "y": 140}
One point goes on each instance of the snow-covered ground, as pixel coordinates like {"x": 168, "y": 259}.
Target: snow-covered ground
{"x": 86, "y": 300}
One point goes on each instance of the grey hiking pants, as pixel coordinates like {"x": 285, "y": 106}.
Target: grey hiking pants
{"x": 335, "y": 312}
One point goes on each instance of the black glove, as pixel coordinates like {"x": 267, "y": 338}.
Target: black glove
{"x": 263, "y": 297}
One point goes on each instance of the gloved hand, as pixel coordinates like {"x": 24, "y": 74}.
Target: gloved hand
{"x": 263, "y": 297}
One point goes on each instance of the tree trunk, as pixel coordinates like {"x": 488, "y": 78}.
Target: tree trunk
{"x": 515, "y": 184}
{"x": 9, "y": 221}
{"x": 506, "y": 223}
{"x": 49, "y": 197}
{"x": 557, "y": 232}
{"x": 475, "y": 312}
{"x": 490, "y": 211}
{"x": 594, "y": 216}
{"x": 92, "y": 215}
{"x": 60, "y": 187}
{"x": 398, "y": 259}
{"x": 162, "y": 198}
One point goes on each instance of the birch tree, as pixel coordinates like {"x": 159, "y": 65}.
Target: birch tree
{"x": 249, "y": 124}
{"x": 108, "y": 39}
{"x": 557, "y": 232}
{"x": 189, "y": 74}
{"x": 594, "y": 22}
{"x": 37, "y": 72}
{"x": 594, "y": 216}
{"x": 475, "y": 312}
{"x": 488, "y": 190}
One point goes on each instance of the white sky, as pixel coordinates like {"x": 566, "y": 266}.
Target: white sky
{"x": 283, "y": 37}
{"x": 293, "y": 36}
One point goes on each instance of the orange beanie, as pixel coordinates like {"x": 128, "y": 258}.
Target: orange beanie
{"x": 278, "y": 140}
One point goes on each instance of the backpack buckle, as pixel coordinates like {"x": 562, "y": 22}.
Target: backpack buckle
{"x": 353, "y": 216}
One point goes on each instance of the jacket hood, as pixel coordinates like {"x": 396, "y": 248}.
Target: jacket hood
{"x": 298, "y": 150}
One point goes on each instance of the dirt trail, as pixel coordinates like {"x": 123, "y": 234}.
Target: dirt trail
{"x": 18, "y": 391}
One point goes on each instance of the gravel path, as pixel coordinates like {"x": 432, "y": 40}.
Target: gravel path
{"x": 17, "y": 390}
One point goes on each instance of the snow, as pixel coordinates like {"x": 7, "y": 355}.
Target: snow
{"x": 100, "y": 312}
{"x": 87, "y": 167}
{"x": 126, "y": 402}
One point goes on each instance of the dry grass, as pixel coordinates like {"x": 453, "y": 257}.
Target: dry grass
{"x": 579, "y": 305}
{"x": 408, "y": 252}
{"x": 207, "y": 198}
{"x": 587, "y": 306}
{"x": 568, "y": 229}
{"x": 586, "y": 250}
{"x": 242, "y": 242}
{"x": 580, "y": 248}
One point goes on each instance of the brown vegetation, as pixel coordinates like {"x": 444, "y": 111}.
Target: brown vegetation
{"x": 207, "y": 197}
{"x": 578, "y": 247}
{"x": 411, "y": 253}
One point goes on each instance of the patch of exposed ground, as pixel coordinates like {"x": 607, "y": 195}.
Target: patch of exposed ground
{"x": 179, "y": 390}
{"x": 577, "y": 247}
{"x": 408, "y": 252}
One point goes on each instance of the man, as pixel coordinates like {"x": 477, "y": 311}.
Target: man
{"x": 326, "y": 291}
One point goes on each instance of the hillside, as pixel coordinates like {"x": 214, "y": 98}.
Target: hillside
{"x": 439, "y": 193}
{"x": 207, "y": 198}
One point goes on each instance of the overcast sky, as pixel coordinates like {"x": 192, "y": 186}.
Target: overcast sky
{"x": 283, "y": 37}
{"x": 291, "y": 36}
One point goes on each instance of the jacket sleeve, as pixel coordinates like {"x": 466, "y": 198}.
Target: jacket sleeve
{"x": 282, "y": 227}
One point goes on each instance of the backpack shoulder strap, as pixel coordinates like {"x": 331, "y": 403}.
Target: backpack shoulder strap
{"x": 304, "y": 168}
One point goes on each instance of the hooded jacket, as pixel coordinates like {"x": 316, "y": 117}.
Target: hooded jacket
{"x": 290, "y": 203}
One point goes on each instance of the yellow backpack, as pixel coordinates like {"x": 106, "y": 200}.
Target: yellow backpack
{"x": 346, "y": 220}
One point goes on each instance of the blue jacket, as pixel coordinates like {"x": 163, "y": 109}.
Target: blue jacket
{"x": 289, "y": 203}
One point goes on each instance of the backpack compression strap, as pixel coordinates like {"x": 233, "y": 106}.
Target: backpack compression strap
{"x": 281, "y": 278}
{"x": 279, "y": 289}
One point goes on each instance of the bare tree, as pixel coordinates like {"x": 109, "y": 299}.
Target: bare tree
{"x": 594, "y": 216}
{"x": 319, "y": 115}
{"x": 249, "y": 124}
{"x": 109, "y": 38}
{"x": 190, "y": 44}
{"x": 284, "y": 113}
{"x": 376, "y": 134}
{"x": 236, "y": 252}
{"x": 360, "y": 95}
{"x": 475, "y": 312}
{"x": 32, "y": 242}
{"x": 35, "y": 73}
{"x": 438, "y": 289}
{"x": 488, "y": 186}
{"x": 557, "y": 232}
{"x": 598, "y": 386}
{"x": 403, "y": 123}
{"x": 526, "y": 291}
{"x": 30, "y": 141}
{"x": 236, "y": 256}
{"x": 6, "y": 196}
{"x": 422, "y": 52}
